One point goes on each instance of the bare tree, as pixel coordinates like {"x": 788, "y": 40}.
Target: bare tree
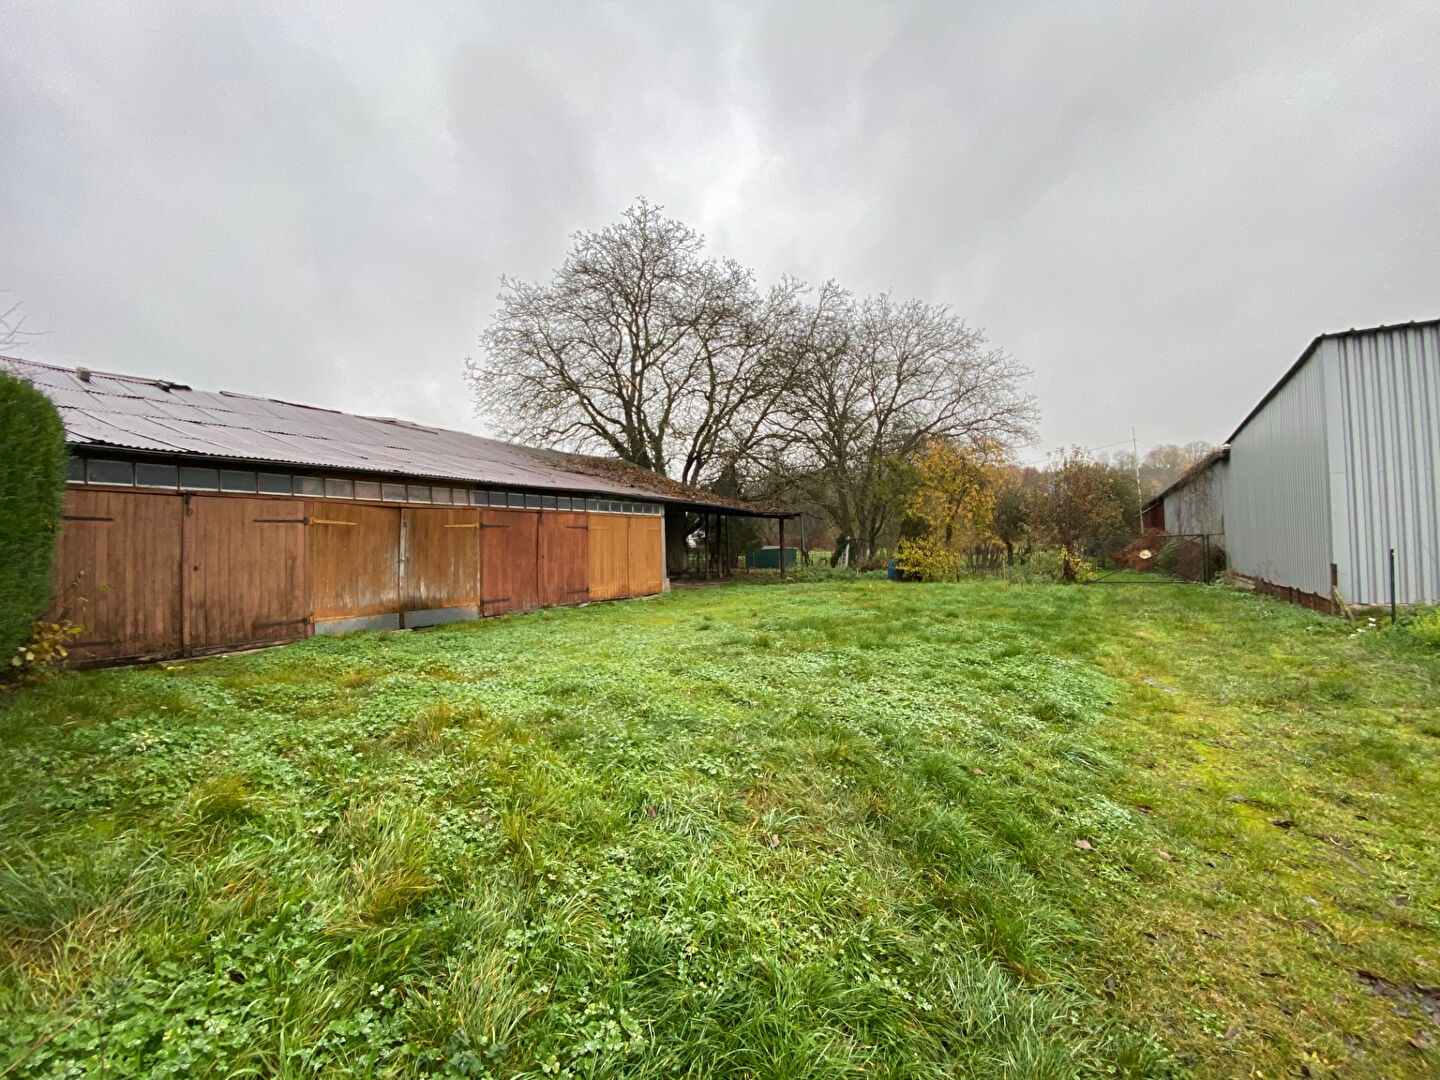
{"x": 875, "y": 378}
{"x": 638, "y": 347}
{"x": 12, "y": 322}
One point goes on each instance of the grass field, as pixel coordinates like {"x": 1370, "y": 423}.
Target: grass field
{"x": 814, "y": 830}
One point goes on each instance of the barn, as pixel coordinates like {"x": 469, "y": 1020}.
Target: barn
{"x": 200, "y": 522}
{"x": 1334, "y": 470}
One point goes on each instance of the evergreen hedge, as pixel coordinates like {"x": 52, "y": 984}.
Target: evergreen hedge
{"x": 32, "y": 497}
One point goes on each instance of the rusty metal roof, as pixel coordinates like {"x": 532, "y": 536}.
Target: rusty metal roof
{"x": 100, "y": 409}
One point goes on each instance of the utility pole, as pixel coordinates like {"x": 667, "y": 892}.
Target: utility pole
{"x": 1139, "y": 498}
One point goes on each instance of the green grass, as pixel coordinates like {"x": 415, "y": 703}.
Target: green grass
{"x": 820, "y": 830}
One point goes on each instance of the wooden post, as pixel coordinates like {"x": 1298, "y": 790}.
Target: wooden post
{"x": 782, "y": 548}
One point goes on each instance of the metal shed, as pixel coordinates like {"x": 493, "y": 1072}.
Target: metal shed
{"x": 198, "y": 522}
{"x": 1336, "y": 467}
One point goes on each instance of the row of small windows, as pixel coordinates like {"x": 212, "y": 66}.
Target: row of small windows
{"x": 243, "y": 481}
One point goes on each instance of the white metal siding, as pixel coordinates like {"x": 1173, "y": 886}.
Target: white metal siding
{"x": 1386, "y": 399}
{"x": 1198, "y": 506}
{"x": 1277, "y": 500}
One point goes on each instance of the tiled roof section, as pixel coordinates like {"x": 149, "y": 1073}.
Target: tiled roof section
{"x": 151, "y": 415}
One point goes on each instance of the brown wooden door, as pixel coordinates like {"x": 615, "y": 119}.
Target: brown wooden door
{"x": 245, "y": 572}
{"x": 355, "y": 564}
{"x": 509, "y": 545}
{"x": 564, "y": 569}
{"x": 645, "y": 556}
{"x": 440, "y": 565}
{"x": 609, "y": 556}
{"x": 117, "y": 573}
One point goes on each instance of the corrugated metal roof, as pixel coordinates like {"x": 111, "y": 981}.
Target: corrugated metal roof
{"x": 1310, "y": 351}
{"x": 154, "y": 416}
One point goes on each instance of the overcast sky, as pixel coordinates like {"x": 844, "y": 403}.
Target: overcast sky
{"x": 1155, "y": 206}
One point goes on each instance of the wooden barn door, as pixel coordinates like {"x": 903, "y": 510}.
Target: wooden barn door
{"x": 645, "y": 556}
{"x": 117, "y": 573}
{"x": 609, "y": 556}
{"x": 564, "y": 569}
{"x": 440, "y": 565}
{"x": 245, "y": 573}
{"x": 355, "y": 566}
{"x": 509, "y": 546}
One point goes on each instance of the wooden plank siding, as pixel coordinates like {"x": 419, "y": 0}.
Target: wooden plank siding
{"x": 244, "y": 574}
{"x": 509, "y": 551}
{"x": 440, "y": 565}
{"x": 354, "y": 560}
{"x": 645, "y": 556}
{"x": 164, "y": 575}
{"x": 564, "y": 559}
{"x": 119, "y": 553}
{"x": 609, "y": 557}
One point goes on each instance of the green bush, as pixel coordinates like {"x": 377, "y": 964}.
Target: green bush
{"x": 1051, "y": 565}
{"x": 32, "y": 496}
{"x": 1425, "y": 627}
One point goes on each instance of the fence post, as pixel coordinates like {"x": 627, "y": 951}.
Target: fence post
{"x": 1392, "y": 586}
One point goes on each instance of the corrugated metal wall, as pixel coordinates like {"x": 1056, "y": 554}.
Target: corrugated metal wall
{"x": 1199, "y": 505}
{"x": 1277, "y": 512}
{"x": 1385, "y": 432}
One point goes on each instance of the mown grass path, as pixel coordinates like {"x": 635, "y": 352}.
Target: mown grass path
{"x": 815, "y": 830}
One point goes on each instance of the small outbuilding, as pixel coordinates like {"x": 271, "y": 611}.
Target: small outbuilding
{"x": 200, "y": 522}
{"x": 1333, "y": 478}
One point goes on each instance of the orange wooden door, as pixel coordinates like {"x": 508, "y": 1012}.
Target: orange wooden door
{"x": 564, "y": 569}
{"x": 609, "y": 556}
{"x": 509, "y": 548}
{"x": 645, "y": 556}
{"x": 355, "y": 565}
{"x": 440, "y": 565}
{"x": 117, "y": 573}
{"x": 245, "y": 572}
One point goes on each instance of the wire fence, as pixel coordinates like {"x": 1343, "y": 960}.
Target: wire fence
{"x": 1157, "y": 558}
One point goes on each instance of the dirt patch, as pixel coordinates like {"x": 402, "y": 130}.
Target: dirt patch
{"x": 1415, "y": 1000}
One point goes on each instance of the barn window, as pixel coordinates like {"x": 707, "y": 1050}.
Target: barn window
{"x": 393, "y": 492}
{"x": 420, "y": 493}
{"x": 592, "y": 504}
{"x": 547, "y": 502}
{"x": 111, "y": 472}
{"x": 149, "y": 474}
{"x": 309, "y": 485}
{"x": 237, "y": 480}
{"x": 194, "y": 478}
{"x": 75, "y": 470}
{"x": 440, "y": 495}
{"x": 367, "y": 489}
{"x": 336, "y": 488}
{"x": 271, "y": 483}
{"x": 517, "y": 499}
{"x": 532, "y": 502}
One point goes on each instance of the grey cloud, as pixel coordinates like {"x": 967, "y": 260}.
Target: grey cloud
{"x": 1154, "y": 206}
